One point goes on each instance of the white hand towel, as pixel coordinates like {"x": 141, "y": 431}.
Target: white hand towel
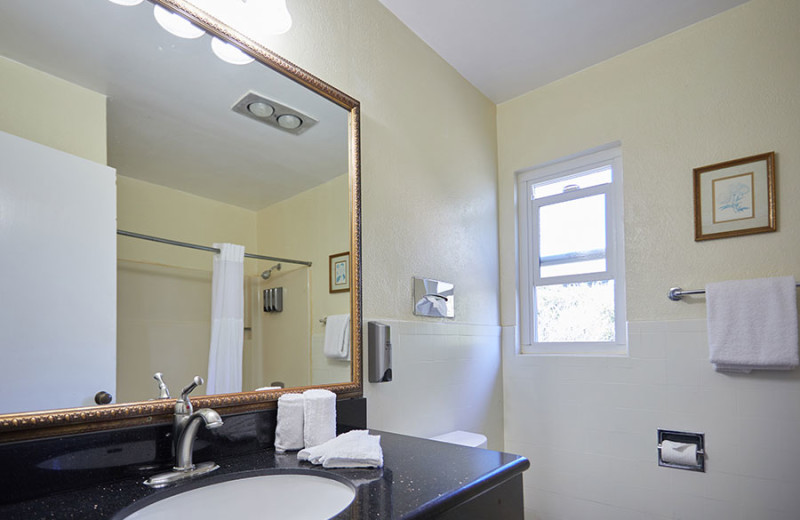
{"x": 337, "y": 337}
{"x": 752, "y": 324}
{"x": 319, "y": 417}
{"x": 289, "y": 430}
{"x": 355, "y": 452}
{"x": 317, "y": 453}
{"x": 354, "y": 449}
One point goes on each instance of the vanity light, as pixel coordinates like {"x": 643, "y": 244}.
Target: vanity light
{"x": 176, "y": 24}
{"x": 227, "y": 52}
{"x": 126, "y": 2}
{"x": 261, "y": 109}
{"x": 289, "y": 121}
{"x": 277, "y": 19}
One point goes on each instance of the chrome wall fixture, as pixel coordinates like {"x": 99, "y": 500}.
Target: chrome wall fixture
{"x": 272, "y": 113}
{"x": 273, "y": 299}
{"x": 206, "y": 248}
{"x": 676, "y": 294}
{"x": 434, "y": 298}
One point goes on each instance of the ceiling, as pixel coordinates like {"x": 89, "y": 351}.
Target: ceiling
{"x": 506, "y": 48}
{"x": 169, "y": 117}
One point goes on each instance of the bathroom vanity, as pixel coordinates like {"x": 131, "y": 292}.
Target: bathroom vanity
{"x": 101, "y": 475}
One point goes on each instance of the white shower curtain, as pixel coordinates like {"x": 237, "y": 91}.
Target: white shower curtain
{"x": 227, "y": 321}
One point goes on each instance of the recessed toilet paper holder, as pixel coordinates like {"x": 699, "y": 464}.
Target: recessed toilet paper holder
{"x": 698, "y": 439}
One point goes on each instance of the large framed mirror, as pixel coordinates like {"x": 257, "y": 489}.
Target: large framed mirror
{"x": 108, "y": 281}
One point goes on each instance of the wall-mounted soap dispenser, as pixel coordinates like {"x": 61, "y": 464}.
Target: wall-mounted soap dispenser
{"x": 379, "y": 343}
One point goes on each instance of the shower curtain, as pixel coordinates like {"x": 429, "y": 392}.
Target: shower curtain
{"x": 227, "y": 321}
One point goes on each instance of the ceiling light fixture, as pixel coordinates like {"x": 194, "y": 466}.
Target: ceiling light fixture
{"x": 276, "y": 18}
{"x": 255, "y": 18}
{"x": 289, "y": 121}
{"x": 260, "y": 109}
{"x": 227, "y": 52}
{"x": 176, "y": 24}
{"x": 126, "y": 2}
{"x": 270, "y": 112}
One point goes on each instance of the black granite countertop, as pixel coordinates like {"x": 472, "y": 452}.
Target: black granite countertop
{"x": 420, "y": 479}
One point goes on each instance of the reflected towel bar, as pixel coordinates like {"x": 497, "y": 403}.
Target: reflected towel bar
{"x": 206, "y": 248}
{"x": 676, "y": 294}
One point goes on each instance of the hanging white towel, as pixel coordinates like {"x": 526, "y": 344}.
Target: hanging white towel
{"x": 227, "y": 321}
{"x": 337, "y": 337}
{"x": 752, "y": 324}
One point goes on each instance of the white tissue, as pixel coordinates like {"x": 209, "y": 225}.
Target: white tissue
{"x": 679, "y": 453}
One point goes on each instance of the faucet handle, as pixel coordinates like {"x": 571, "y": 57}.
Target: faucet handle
{"x": 197, "y": 381}
{"x": 163, "y": 391}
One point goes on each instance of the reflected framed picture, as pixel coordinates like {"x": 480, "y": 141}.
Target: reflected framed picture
{"x": 339, "y": 272}
{"x": 735, "y": 198}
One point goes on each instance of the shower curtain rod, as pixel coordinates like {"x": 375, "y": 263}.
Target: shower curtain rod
{"x": 206, "y": 248}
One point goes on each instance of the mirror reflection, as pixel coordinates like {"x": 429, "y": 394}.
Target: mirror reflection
{"x": 110, "y": 122}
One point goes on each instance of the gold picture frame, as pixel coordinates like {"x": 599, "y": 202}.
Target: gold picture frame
{"x": 339, "y": 272}
{"x": 735, "y": 198}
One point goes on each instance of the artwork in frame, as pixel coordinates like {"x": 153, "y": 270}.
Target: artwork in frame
{"x": 735, "y": 198}
{"x": 339, "y": 272}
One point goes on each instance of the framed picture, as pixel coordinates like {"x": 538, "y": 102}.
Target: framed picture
{"x": 735, "y": 198}
{"x": 339, "y": 272}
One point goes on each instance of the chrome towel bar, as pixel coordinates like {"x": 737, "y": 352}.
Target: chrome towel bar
{"x": 676, "y": 294}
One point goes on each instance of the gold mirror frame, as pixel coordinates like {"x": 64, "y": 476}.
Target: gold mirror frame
{"x": 51, "y": 423}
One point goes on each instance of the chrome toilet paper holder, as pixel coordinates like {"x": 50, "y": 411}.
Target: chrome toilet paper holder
{"x": 697, "y": 439}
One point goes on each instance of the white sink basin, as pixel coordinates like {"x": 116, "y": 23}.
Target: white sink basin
{"x": 263, "y": 497}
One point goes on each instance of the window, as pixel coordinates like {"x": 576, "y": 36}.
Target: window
{"x": 572, "y": 294}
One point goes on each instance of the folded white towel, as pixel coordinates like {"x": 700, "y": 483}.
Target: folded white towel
{"x": 337, "y": 337}
{"x": 354, "y": 449}
{"x": 315, "y": 454}
{"x": 319, "y": 417}
{"x": 289, "y": 432}
{"x": 752, "y": 324}
{"x": 363, "y": 452}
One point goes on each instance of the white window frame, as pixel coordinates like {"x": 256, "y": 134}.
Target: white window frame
{"x": 608, "y": 155}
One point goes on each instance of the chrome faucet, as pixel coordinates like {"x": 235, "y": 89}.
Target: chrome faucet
{"x": 185, "y": 444}
{"x": 184, "y": 432}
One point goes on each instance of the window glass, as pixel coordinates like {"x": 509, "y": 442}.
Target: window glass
{"x": 572, "y": 231}
{"x": 563, "y": 184}
{"x": 575, "y": 312}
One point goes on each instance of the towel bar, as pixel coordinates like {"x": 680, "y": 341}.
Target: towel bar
{"x": 676, "y": 294}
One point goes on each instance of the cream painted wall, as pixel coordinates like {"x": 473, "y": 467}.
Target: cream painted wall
{"x": 75, "y": 116}
{"x": 147, "y": 208}
{"x": 719, "y": 90}
{"x": 724, "y": 88}
{"x": 428, "y": 155}
{"x": 164, "y": 302}
{"x": 429, "y": 199}
{"x": 310, "y": 226}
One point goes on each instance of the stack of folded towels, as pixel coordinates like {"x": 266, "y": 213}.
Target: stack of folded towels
{"x": 354, "y": 449}
{"x": 307, "y": 422}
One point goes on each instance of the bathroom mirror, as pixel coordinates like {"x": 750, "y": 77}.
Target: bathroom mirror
{"x": 193, "y": 165}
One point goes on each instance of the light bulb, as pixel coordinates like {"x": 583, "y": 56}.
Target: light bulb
{"x": 275, "y": 18}
{"x": 227, "y": 52}
{"x": 126, "y": 2}
{"x": 176, "y": 24}
{"x": 260, "y": 109}
{"x": 289, "y": 121}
